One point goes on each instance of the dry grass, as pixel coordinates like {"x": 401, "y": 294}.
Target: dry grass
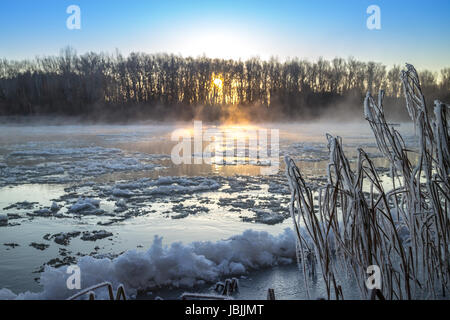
{"x": 405, "y": 230}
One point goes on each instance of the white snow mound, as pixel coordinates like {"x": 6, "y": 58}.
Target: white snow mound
{"x": 177, "y": 265}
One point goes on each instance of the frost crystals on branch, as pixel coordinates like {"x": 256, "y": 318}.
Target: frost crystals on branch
{"x": 404, "y": 231}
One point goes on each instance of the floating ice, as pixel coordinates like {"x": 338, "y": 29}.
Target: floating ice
{"x": 95, "y": 235}
{"x": 55, "y": 207}
{"x": 176, "y": 265}
{"x": 39, "y": 246}
{"x": 268, "y": 217}
{"x": 64, "y": 165}
{"x": 3, "y": 220}
{"x": 179, "y": 185}
{"x": 122, "y": 193}
{"x": 84, "y": 205}
{"x": 63, "y": 238}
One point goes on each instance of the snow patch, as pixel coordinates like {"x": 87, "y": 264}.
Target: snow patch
{"x": 177, "y": 265}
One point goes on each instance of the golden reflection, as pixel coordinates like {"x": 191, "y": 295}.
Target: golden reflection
{"x": 226, "y": 144}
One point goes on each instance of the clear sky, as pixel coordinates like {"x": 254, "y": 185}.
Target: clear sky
{"x": 411, "y": 31}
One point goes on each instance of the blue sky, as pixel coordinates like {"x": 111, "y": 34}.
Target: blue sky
{"x": 411, "y": 31}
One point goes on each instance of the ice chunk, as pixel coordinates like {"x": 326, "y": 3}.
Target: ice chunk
{"x": 95, "y": 235}
{"x": 64, "y": 238}
{"x": 3, "y": 220}
{"x": 84, "y": 204}
{"x": 121, "y": 203}
{"x": 54, "y": 207}
{"x": 122, "y": 193}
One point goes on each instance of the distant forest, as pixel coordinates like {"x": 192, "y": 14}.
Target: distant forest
{"x": 163, "y": 86}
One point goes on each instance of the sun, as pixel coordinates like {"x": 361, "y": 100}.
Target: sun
{"x": 216, "y": 90}
{"x": 218, "y": 82}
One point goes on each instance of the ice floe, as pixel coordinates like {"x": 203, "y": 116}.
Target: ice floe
{"x": 95, "y": 235}
{"x": 267, "y": 217}
{"x": 58, "y": 164}
{"x": 3, "y": 220}
{"x": 86, "y": 206}
{"x": 39, "y": 246}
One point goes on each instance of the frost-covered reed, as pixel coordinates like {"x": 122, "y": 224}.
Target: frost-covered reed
{"x": 356, "y": 223}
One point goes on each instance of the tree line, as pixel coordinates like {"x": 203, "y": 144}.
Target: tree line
{"x": 167, "y": 85}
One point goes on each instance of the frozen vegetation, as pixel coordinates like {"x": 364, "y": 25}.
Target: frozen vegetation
{"x": 356, "y": 220}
